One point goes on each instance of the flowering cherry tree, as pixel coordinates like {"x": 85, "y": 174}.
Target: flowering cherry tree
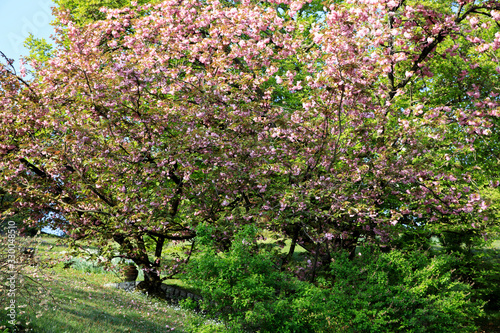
{"x": 327, "y": 122}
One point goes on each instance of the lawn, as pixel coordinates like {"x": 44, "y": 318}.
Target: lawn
{"x": 80, "y": 303}
{"x": 75, "y": 300}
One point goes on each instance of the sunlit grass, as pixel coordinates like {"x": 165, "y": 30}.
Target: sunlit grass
{"x": 79, "y": 301}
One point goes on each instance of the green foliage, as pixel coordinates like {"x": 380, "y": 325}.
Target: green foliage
{"x": 16, "y": 215}
{"x": 246, "y": 287}
{"x": 487, "y": 280}
{"x": 492, "y": 197}
{"x": 375, "y": 292}
{"x": 5, "y": 326}
{"x": 85, "y": 12}
{"x": 413, "y": 239}
{"x": 199, "y": 324}
{"x": 460, "y": 241}
{"x": 39, "y": 48}
{"x": 481, "y": 269}
{"x": 398, "y": 291}
{"x": 87, "y": 266}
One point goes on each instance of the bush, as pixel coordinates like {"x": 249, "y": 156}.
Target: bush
{"x": 481, "y": 269}
{"x": 402, "y": 292}
{"x": 87, "y": 266}
{"x": 376, "y": 292}
{"x": 478, "y": 264}
{"x": 5, "y": 326}
{"x": 245, "y": 287}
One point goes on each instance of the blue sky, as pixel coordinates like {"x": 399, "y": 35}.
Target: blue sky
{"x": 18, "y": 18}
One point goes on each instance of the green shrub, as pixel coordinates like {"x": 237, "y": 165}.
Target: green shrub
{"x": 482, "y": 270}
{"x": 413, "y": 239}
{"x": 5, "y": 326}
{"x": 478, "y": 264}
{"x": 402, "y": 292}
{"x": 87, "y": 266}
{"x": 245, "y": 287}
{"x": 375, "y": 292}
{"x": 487, "y": 280}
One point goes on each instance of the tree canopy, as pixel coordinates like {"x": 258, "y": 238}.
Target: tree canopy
{"x": 329, "y": 122}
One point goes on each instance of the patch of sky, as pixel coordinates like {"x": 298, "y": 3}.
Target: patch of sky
{"x": 20, "y": 18}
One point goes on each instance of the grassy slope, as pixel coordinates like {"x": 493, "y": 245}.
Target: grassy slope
{"x": 79, "y": 302}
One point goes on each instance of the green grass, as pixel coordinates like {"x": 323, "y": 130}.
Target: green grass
{"x": 79, "y": 302}
{"x": 76, "y": 300}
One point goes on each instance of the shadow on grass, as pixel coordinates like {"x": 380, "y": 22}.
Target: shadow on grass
{"x": 94, "y": 309}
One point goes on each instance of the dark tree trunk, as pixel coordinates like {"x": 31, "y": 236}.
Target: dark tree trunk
{"x": 151, "y": 283}
{"x": 351, "y": 247}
